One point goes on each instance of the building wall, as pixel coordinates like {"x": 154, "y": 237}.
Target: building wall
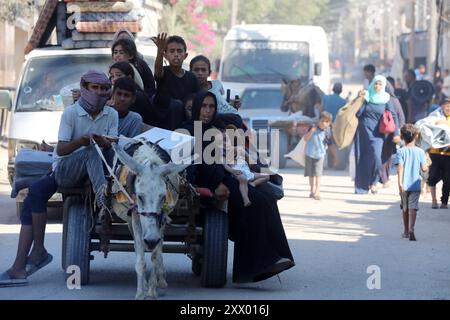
{"x": 445, "y": 50}
{"x": 7, "y": 60}
{"x": 151, "y": 20}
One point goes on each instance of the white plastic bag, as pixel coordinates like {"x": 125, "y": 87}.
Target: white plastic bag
{"x": 298, "y": 154}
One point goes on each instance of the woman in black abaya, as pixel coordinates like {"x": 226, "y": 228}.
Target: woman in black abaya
{"x": 261, "y": 249}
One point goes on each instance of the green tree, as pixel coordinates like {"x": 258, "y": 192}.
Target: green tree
{"x": 300, "y": 12}
{"x": 178, "y": 19}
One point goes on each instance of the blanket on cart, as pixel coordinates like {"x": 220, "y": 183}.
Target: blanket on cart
{"x": 117, "y": 6}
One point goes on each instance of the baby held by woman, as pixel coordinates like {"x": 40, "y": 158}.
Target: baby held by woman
{"x": 237, "y": 165}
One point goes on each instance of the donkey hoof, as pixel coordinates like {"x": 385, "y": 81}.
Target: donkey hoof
{"x": 152, "y": 294}
{"x": 162, "y": 284}
{"x": 140, "y": 296}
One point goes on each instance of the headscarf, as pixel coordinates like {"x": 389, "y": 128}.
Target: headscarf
{"x": 381, "y": 97}
{"x": 125, "y": 30}
{"x": 197, "y": 105}
{"x": 122, "y": 30}
{"x": 90, "y": 101}
{"x": 396, "y": 103}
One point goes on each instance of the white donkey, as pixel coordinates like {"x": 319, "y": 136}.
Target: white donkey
{"x": 147, "y": 220}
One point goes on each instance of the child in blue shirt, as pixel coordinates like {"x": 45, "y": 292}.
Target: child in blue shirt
{"x": 411, "y": 162}
{"x": 317, "y": 140}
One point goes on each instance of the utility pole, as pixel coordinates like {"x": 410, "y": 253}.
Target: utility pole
{"x": 234, "y": 12}
{"x": 412, "y": 47}
{"x": 432, "y": 39}
{"x": 439, "y": 36}
{"x": 382, "y": 33}
{"x": 357, "y": 36}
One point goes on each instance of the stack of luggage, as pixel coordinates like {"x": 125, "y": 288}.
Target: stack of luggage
{"x": 95, "y": 22}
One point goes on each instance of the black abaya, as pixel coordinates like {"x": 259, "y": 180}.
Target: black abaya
{"x": 258, "y": 235}
{"x": 257, "y": 231}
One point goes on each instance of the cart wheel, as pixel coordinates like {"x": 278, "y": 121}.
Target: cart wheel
{"x": 197, "y": 265}
{"x": 76, "y": 238}
{"x": 215, "y": 249}
{"x": 66, "y": 204}
{"x": 284, "y": 148}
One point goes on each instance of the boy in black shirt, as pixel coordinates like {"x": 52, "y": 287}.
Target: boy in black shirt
{"x": 173, "y": 81}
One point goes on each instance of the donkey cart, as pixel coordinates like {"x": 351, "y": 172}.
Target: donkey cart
{"x": 196, "y": 228}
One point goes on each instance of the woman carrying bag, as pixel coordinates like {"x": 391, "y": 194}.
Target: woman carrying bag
{"x": 373, "y": 116}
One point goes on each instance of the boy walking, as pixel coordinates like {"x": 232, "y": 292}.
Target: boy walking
{"x": 173, "y": 81}
{"x": 411, "y": 161}
{"x": 317, "y": 140}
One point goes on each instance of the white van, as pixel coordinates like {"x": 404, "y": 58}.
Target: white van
{"x": 260, "y": 56}
{"x": 42, "y": 93}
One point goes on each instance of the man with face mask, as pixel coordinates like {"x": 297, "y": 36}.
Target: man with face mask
{"x": 34, "y": 212}
{"x": 88, "y": 118}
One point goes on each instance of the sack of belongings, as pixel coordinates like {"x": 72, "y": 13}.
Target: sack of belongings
{"x": 346, "y": 123}
{"x": 30, "y": 166}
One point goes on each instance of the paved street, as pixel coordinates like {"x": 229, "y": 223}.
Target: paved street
{"x": 334, "y": 241}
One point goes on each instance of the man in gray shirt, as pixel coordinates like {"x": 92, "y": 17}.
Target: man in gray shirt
{"x": 33, "y": 215}
{"x": 86, "y": 119}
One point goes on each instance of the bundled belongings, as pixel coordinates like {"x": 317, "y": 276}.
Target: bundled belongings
{"x": 346, "y": 123}
{"x": 434, "y": 136}
{"x": 298, "y": 154}
{"x": 99, "y": 6}
{"x": 85, "y": 24}
{"x": 108, "y": 26}
{"x": 96, "y": 22}
{"x": 30, "y": 166}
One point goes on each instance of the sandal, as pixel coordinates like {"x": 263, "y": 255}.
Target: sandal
{"x": 435, "y": 205}
{"x": 7, "y": 281}
{"x": 412, "y": 236}
{"x": 32, "y": 268}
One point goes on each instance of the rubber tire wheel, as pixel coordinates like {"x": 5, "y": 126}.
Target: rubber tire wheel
{"x": 66, "y": 203}
{"x": 283, "y": 148}
{"x": 77, "y": 236}
{"x": 197, "y": 265}
{"x": 215, "y": 249}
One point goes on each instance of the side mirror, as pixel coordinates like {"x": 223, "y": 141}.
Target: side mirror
{"x": 318, "y": 69}
{"x": 5, "y": 100}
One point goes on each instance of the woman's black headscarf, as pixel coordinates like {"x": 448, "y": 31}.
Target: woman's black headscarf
{"x": 209, "y": 176}
{"x": 196, "y": 107}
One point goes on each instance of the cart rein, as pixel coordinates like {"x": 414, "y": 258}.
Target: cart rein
{"x": 122, "y": 189}
{"x": 111, "y": 171}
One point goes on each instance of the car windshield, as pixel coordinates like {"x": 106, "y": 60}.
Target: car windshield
{"x": 261, "y": 99}
{"x": 265, "y": 61}
{"x": 47, "y": 82}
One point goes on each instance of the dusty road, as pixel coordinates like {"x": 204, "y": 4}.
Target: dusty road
{"x": 334, "y": 242}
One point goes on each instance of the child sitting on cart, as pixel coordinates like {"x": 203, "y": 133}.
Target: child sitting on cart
{"x": 237, "y": 165}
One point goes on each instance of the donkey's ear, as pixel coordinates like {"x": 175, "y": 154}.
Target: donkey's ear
{"x": 172, "y": 168}
{"x": 128, "y": 161}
